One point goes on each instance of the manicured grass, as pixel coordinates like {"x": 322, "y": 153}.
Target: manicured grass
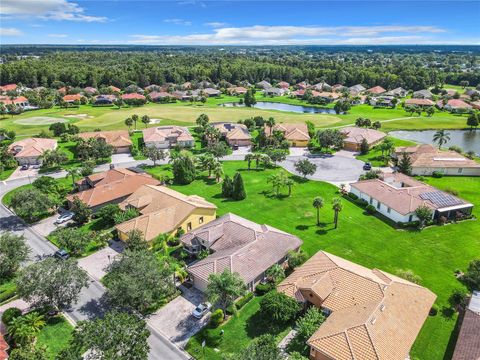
{"x": 239, "y": 331}
{"x": 433, "y": 254}
{"x": 55, "y": 336}
{"x": 137, "y": 139}
{"x": 374, "y": 156}
{"x": 5, "y": 174}
{"x": 7, "y": 290}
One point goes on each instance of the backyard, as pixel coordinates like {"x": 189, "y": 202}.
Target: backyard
{"x": 385, "y": 248}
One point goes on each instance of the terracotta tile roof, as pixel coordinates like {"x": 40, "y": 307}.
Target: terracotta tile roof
{"x": 233, "y": 131}
{"x": 429, "y": 156}
{"x": 468, "y": 342}
{"x": 293, "y": 132}
{"x": 116, "y": 138}
{"x": 8, "y": 87}
{"x": 74, "y": 97}
{"x": 3, "y": 348}
{"x": 368, "y": 318}
{"x": 111, "y": 186}
{"x": 237, "y": 89}
{"x": 283, "y": 84}
{"x": 419, "y": 102}
{"x": 32, "y": 146}
{"x": 458, "y": 104}
{"x": 376, "y": 90}
{"x": 132, "y": 96}
{"x": 239, "y": 245}
{"x": 159, "y": 95}
{"x": 90, "y": 90}
{"x": 170, "y": 132}
{"x": 357, "y": 88}
{"x": 422, "y": 94}
{"x": 326, "y": 94}
{"x": 18, "y": 100}
{"x": 162, "y": 209}
{"x": 356, "y": 135}
{"x": 405, "y": 194}
{"x": 114, "y": 88}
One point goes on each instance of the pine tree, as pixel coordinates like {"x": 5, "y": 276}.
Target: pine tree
{"x": 238, "y": 192}
{"x": 405, "y": 164}
{"x": 364, "y": 148}
{"x": 227, "y": 187}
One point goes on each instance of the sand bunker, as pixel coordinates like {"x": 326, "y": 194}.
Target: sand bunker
{"x": 40, "y": 120}
{"x": 155, "y": 121}
{"x": 81, "y": 116}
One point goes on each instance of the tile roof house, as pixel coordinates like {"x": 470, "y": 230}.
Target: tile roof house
{"x": 468, "y": 341}
{"x": 371, "y": 313}
{"x": 237, "y": 245}
{"x": 104, "y": 99}
{"x": 211, "y": 92}
{"x": 164, "y": 137}
{"x": 376, "y": 90}
{"x": 427, "y": 159}
{"x": 356, "y": 89}
{"x": 159, "y": 95}
{"x": 164, "y": 211}
{"x": 454, "y": 105}
{"x": 399, "y": 92}
{"x": 273, "y": 91}
{"x": 109, "y": 187}
{"x": 18, "y": 101}
{"x": 3, "y": 348}
{"x": 326, "y": 95}
{"x": 422, "y": 94}
{"x": 398, "y": 196}
{"x": 133, "y": 96}
{"x": 355, "y": 135}
{"x": 264, "y": 84}
{"x": 235, "y": 134}
{"x": 337, "y": 87}
{"x": 8, "y": 87}
{"x": 114, "y": 89}
{"x": 475, "y": 104}
{"x": 119, "y": 139}
{"x": 237, "y": 90}
{"x": 295, "y": 134}
{"x": 419, "y": 102}
{"x": 90, "y": 90}
{"x": 29, "y": 151}
{"x": 72, "y": 98}
{"x": 283, "y": 85}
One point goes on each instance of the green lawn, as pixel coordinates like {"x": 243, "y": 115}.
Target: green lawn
{"x": 239, "y": 331}
{"x": 433, "y": 254}
{"x": 55, "y": 336}
{"x": 374, "y": 156}
{"x": 5, "y": 174}
{"x": 8, "y": 290}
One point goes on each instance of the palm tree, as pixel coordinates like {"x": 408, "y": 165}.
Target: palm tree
{"x": 129, "y": 123}
{"x": 135, "y": 119}
{"x": 208, "y": 162}
{"x": 248, "y": 159}
{"x": 218, "y": 171}
{"x": 318, "y": 204}
{"x": 337, "y": 206}
{"x": 34, "y": 321}
{"x": 270, "y": 123}
{"x": 146, "y": 120}
{"x": 275, "y": 273}
{"x": 441, "y": 137}
{"x": 73, "y": 172}
{"x": 24, "y": 329}
{"x": 289, "y": 183}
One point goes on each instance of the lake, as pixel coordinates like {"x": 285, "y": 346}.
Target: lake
{"x": 466, "y": 139}
{"x": 268, "y": 105}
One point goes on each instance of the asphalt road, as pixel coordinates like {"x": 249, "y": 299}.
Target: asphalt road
{"x": 91, "y": 302}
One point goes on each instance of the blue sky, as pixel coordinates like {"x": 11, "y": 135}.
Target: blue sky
{"x": 198, "y": 22}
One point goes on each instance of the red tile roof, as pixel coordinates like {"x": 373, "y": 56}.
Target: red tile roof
{"x": 8, "y": 87}
{"x": 132, "y": 96}
{"x": 18, "y": 100}
{"x": 3, "y": 348}
{"x": 75, "y": 97}
{"x": 419, "y": 102}
{"x": 114, "y": 88}
{"x": 458, "y": 104}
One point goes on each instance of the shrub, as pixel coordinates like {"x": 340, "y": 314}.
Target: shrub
{"x": 352, "y": 196}
{"x": 451, "y": 191}
{"x": 216, "y": 319}
{"x": 296, "y": 258}
{"x": 244, "y": 300}
{"x": 10, "y": 314}
{"x": 361, "y": 202}
{"x": 409, "y": 275}
{"x": 7, "y": 293}
{"x": 371, "y": 209}
{"x": 434, "y": 310}
{"x": 262, "y": 289}
{"x": 279, "y": 307}
{"x": 437, "y": 174}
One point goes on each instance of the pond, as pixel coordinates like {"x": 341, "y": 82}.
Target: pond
{"x": 268, "y": 105}
{"x": 466, "y": 139}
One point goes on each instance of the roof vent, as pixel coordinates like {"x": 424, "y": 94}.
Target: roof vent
{"x": 382, "y": 307}
{"x": 373, "y": 321}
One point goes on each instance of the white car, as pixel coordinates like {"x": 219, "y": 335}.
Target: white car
{"x": 201, "y": 310}
{"x": 64, "y": 218}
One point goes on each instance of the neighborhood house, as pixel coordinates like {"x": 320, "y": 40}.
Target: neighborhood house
{"x": 427, "y": 159}
{"x": 468, "y": 342}
{"x": 295, "y": 134}
{"x": 109, "y": 187}
{"x": 164, "y": 211}
{"x": 29, "y": 151}
{"x": 237, "y": 245}
{"x": 164, "y": 137}
{"x": 355, "y": 135}
{"x": 371, "y": 314}
{"x": 235, "y": 134}
{"x": 398, "y": 196}
{"x": 119, "y": 139}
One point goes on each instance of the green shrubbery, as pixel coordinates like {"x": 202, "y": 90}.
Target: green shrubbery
{"x": 371, "y": 209}
{"x": 10, "y": 314}
{"x": 244, "y": 300}
{"x": 262, "y": 289}
{"x": 216, "y": 319}
{"x": 437, "y": 174}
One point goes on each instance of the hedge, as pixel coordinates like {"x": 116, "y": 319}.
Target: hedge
{"x": 244, "y": 300}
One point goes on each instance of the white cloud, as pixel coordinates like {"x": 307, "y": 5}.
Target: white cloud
{"x": 58, "y": 36}
{"x": 178, "y": 22}
{"x": 288, "y": 35}
{"x": 10, "y": 32}
{"x": 47, "y": 10}
{"x": 215, "y": 24}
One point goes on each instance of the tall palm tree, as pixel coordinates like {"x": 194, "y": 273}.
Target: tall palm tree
{"x": 337, "y": 206}
{"x": 270, "y": 123}
{"x": 289, "y": 183}
{"x": 146, "y": 120}
{"x": 248, "y": 159}
{"x": 218, "y": 171}
{"x": 135, "y": 119}
{"x": 24, "y": 329}
{"x": 441, "y": 137}
{"x": 318, "y": 204}
{"x": 73, "y": 172}
{"x": 129, "y": 123}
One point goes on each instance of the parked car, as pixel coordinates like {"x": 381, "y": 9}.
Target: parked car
{"x": 201, "y": 310}
{"x": 234, "y": 147}
{"x": 24, "y": 167}
{"x": 64, "y": 218}
{"x": 367, "y": 166}
{"x": 61, "y": 254}
{"x": 36, "y": 166}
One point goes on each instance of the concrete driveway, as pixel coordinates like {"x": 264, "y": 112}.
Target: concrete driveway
{"x": 337, "y": 168}
{"x": 18, "y": 173}
{"x": 175, "y": 319}
{"x": 122, "y": 158}
{"x": 96, "y": 263}
{"x": 46, "y": 226}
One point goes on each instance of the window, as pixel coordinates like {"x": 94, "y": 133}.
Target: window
{"x": 200, "y": 220}
{"x": 378, "y": 204}
{"x": 388, "y": 210}
{"x": 189, "y": 226}
{"x": 410, "y": 218}
{"x": 371, "y": 200}
{"x": 460, "y": 170}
